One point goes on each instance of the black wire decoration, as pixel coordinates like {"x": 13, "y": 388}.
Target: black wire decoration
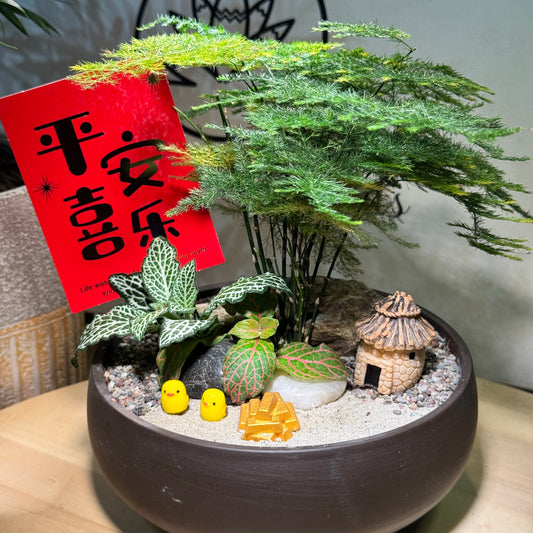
{"x": 400, "y": 210}
{"x": 217, "y": 16}
{"x": 254, "y": 19}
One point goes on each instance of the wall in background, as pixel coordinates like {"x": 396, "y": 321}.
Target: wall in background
{"x": 487, "y": 299}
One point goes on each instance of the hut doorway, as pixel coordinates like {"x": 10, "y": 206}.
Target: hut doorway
{"x": 372, "y": 375}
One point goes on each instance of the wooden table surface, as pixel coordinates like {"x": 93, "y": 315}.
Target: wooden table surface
{"x": 50, "y": 482}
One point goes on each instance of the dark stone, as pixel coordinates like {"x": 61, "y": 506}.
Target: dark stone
{"x": 203, "y": 368}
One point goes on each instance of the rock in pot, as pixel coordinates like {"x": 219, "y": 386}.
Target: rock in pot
{"x": 205, "y": 372}
{"x": 306, "y": 394}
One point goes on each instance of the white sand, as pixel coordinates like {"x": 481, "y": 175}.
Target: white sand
{"x": 349, "y": 418}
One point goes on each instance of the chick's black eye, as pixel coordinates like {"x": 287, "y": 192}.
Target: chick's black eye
{"x": 214, "y": 403}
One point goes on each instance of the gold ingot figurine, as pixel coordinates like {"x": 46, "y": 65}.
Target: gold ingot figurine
{"x": 268, "y": 419}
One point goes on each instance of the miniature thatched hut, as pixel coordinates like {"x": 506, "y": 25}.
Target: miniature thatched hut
{"x": 391, "y": 353}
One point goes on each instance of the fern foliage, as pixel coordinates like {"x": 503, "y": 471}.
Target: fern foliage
{"x": 327, "y": 135}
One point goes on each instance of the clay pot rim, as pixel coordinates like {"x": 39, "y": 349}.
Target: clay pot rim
{"x": 458, "y": 348}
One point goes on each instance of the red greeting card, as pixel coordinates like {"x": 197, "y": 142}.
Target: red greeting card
{"x": 100, "y": 184}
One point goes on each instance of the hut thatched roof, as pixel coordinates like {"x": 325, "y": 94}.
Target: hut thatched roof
{"x": 396, "y": 324}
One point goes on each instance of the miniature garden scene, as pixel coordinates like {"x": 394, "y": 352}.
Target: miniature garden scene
{"x": 325, "y": 136}
{"x": 291, "y": 397}
{"x": 401, "y": 370}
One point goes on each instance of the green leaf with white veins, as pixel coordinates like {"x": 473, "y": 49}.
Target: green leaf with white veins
{"x": 160, "y": 269}
{"x": 184, "y": 292}
{"x": 177, "y": 330}
{"x": 237, "y": 291}
{"x": 115, "y": 322}
{"x": 140, "y": 324}
{"x": 131, "y": 288}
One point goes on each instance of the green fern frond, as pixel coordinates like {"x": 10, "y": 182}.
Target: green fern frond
{"x": 328, "y": 133}
{"x": 343, "y": 29}
{"x": 483, "y": 239}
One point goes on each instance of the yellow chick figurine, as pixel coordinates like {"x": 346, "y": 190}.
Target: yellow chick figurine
{"x": 213, "y": 405}
{"x": 174, "y": 397}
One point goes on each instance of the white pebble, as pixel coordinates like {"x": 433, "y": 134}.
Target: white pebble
{"x": 305, "y": 394}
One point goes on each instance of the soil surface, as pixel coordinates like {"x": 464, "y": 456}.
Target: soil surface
{"x": 359, "y": 413}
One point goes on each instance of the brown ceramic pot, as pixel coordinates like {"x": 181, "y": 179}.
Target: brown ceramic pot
{"x": 374, "y": 484}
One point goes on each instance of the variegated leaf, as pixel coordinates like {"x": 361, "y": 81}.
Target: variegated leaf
{"x": 140, "y": 324}
{"x": 247, "y": 368}
{"x": 246, "y": 329}
{"x": 255, "y": 305}
{"x": 236, "y": 292}
{"x": 160, "y": 269}
{"x": 184, "y": 291}
{"x": 104, "y": 326}
{"x": 251, "y": 328}
{"x": 131, "y": 288}
{"x": 304, "y": 361}
{"x": 268, "y": 327}
{"x": 175, "y": 331}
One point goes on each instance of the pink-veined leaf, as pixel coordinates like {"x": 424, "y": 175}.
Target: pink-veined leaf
{"x": 304, "y": 361}
{"x": 252, "y": 328}
{"x": 248, "y": 366}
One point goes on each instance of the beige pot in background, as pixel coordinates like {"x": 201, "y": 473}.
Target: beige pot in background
{"x": 38, "y": 333}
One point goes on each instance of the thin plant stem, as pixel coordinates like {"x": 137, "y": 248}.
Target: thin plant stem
{"x": 274, "y": 263}
{"x": 323, "y": 289}
{"x": 284, "y": 251}
{"x": 318, "y": 260}
{"x": 192, "y": 124}
{"x": 307, "y": 254}
{"x": 223, "y": 117}
{"x": 306, "y": 281}
{"x": 259, "y": 241}
{"x": 251, "y": 241}
{"x": 295, "y": 309}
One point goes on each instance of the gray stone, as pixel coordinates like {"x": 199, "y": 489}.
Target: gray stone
{"x": 203, "y": 369}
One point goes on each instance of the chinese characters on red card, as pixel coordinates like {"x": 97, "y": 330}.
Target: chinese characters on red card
{"x": 99, "y": 183}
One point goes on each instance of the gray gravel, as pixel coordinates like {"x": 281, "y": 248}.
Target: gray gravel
{"x": 133, "y": 381}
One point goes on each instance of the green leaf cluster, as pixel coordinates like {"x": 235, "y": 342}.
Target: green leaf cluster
{"x": 162, "y": 297}
{"x": 250, "y": 363}
{"x": 327, "y": 134}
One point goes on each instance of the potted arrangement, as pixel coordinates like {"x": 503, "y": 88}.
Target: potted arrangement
{"x": 326, "y": 135}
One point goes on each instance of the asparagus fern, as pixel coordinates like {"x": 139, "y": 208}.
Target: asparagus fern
{"x": 329, "y": 134}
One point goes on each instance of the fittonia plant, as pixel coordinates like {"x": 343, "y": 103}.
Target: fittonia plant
{"x": 162, "y": 298}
